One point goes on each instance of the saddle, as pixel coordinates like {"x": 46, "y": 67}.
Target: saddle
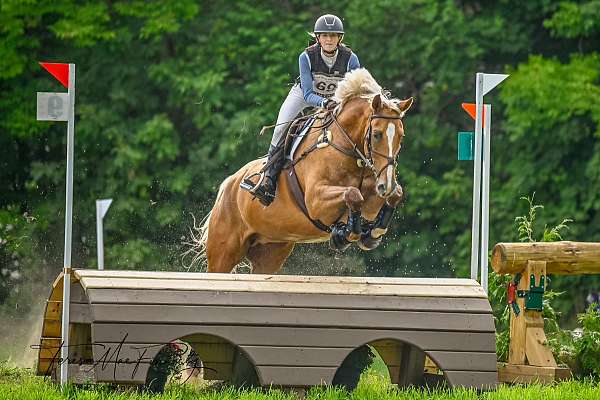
{"x": 295, "y": 134}
{"x": 291, "y": 139}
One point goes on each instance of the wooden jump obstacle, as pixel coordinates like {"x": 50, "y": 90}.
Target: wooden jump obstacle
{"x": 295, "y": 330}
{"x": 529, "y": 358}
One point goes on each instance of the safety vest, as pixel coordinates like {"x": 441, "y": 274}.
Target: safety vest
{"x": 325, "y": 79}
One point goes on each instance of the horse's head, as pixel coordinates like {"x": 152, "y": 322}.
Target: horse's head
{"x": 382, "y": 117}
{"x": 383, "y": 140}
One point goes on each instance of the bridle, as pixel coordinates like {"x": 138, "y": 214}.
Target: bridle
{"x": 366, "y": 161}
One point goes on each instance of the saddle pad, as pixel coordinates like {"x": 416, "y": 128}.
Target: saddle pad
{"x": 300, "y": 136}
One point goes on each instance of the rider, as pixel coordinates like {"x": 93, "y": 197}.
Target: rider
{"x": 322, "y": 66}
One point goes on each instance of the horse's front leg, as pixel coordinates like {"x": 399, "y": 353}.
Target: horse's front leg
{"x": 344, "y": 234}
{"x": 371, "y": 236}
{"x": 327, "y": 201}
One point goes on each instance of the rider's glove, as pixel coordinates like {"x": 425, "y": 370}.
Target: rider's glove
{"x": 330, "y": 104}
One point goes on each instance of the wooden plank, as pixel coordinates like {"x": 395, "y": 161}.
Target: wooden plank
{"x": 90, "y": 273}
{"x": 78, "y": 312}
{"x": 420, "y": 290}
{"x": 200, "y": 339}
{"x": 389, "y": 350}
{"x": 81, "y": 374}
{"x": 394, "y": 372}
{"x": 45, "y": 367}
{"x": 273, "y": 316}
{"x": 283, "y": 355}
{"x": 51, "y": 327}
{"x": 49, "y": 353}
{"x": 274, "y": 299}
{"x": 482, "y": 380}
{"x": 528, "y": 374}
{"x": 565, "y": 258}
{"x": 297, "y": 356}
{"x": 80, "y": 343}
{"x": 411, "y": 367}
{"x": 122, "y": 373}
{"x": 294, "y": 336}
{"x": 537, "y": 351}
{"x": 216, "y": 352}
{"x": 217, "y": 371}
{"x": 432, "y": 368}
{"x": 465, "y": 361}
{"x": 136, "y": 373}
{"x": 49, "y": 344}
{"x": 77, "y": 294}
{"x": 296, "y": 376}
{"x": 124, "y": 353}
{"x": 53, "y": 310}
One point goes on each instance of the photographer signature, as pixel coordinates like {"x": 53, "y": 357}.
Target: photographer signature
{"x": 111, "y": 356}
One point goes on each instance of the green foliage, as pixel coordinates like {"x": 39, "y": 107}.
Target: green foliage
{"x": 525, "y": 224}
{"x": 587, "y": 346}
{"x": 497, "y": 285}
{"x": 23, "y": 385}
{"x": 573, "y": 20}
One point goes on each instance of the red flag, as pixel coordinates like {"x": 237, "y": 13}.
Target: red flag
{"x": 58, "y": 70}
{"x": 470, "y": 108}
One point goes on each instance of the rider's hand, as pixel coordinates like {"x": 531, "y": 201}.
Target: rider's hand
{"x": 330, "y": 104}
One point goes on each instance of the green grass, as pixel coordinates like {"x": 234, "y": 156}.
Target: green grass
{"x": 22, "y": 384}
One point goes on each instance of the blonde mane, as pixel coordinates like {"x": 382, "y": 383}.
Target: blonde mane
{"x": 360, "y": 83}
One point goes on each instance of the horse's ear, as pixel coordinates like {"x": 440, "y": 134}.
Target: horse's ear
{"x": 404, "y": 105}
{"x": 376, "y": 103}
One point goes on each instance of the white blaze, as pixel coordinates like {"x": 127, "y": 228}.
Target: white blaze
{"x": 390, "y": 132}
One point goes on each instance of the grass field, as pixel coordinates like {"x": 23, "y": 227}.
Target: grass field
{"x": 22, "y": 384}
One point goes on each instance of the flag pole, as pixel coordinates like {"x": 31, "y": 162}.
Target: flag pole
{"x": 64, "y": 351}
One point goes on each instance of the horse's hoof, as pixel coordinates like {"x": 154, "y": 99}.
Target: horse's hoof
{"x": 338, "y": 242}
{"x": 367, "y": 242}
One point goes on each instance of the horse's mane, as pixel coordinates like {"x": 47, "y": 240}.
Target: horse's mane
{"x": 360, "y": 83}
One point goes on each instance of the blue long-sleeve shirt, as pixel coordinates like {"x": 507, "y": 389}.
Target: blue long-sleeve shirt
{"x": 306, "y": 78}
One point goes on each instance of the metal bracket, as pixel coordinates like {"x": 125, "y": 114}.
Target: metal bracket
{"x": 535, "y": 295}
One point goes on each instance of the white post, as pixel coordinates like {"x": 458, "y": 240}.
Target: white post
{"x": 485, "y": 197}
{"x": 477, "y": 176}
{"x": 64, "y": 351}
{"x": 101, "y": 209}
{"x": 99, "y": 236}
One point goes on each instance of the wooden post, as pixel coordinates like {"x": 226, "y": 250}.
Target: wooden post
{"x": 530, "y": 359}
{"x": 527, "y": 337}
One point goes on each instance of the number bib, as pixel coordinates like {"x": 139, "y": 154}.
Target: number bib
{"x": 325, "y": 85}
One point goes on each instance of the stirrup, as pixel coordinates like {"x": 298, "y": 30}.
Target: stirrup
{"x": 250, "y": 186}
{"x": 257, "y": 190}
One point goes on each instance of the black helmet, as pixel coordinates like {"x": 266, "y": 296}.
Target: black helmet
{"x": 329, "y": 23}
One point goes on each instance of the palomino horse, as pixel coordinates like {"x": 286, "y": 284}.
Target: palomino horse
{"x": 347, "y": 185}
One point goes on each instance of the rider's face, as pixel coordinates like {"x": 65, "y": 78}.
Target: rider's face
{"x": 329, "y": 41}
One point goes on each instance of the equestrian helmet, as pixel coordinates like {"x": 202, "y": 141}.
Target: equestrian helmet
{"x": 329, "y": 23}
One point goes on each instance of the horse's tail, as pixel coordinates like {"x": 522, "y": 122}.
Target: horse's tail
{"x": 196, "y": 243}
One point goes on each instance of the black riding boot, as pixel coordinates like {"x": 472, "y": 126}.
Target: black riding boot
{"x": 266, "y": 191}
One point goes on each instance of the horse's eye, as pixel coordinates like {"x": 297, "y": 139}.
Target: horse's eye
{"x": 378, "y": 135}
